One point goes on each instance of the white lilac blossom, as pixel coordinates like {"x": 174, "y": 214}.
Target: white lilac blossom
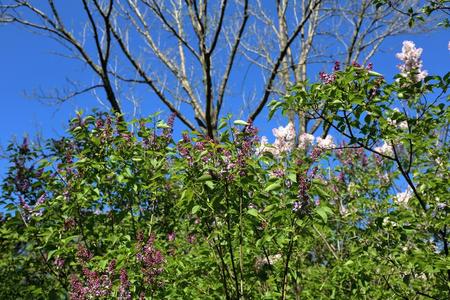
{"x": 284, "y": 139}
{"x": 326, "y": 143}
{"x": 265, "y": 261}
{"x": 264, "y": 146}
{"x": 388, "y": 222}
{"x": 412, "y": 63}
{"x": 304, "y": 140}
{"x": 385, "y": 149}
{"x": 402, "y": 125}
{"x": 402, "y": 198}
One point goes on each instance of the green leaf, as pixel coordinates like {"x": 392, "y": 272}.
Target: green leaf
{"x": 270, "y": 208}
{"x": 162, "y": 124}
{"x": 253, "y": 212}
{"x": 195, "y": 209}
{"x": 209, "y": 184}
{"x": 204, "y": 177}
{"x": 323, "y": 212}
{"x": 375, "y": 74}
{"x": 240, "y": 122}
{"x": 321, "y": 192}
{"x": 222, "y": 124}
{"x": 273, "y": 186}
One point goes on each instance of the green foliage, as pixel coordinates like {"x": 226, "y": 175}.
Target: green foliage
{"x": 421, "y": 12}
{"x": 119, "y": 210}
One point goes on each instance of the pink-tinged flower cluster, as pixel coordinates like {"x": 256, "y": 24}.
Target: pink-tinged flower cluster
{"x": 327, "y": 78}
{"x": 167, "y": 132}
{"x": 246, "y": 143}
{"x": 304, "y": 179}
{"x": 184, "y": 147}
{"x": 349, "y": 156}
{"x": 305, "y": 140}
{"x": 279, "y": 173}
{"x": 191, "y": 238}
{"x": 412, "y": 63}
{"x": 171, "y": 236}
{"x": 285, "y": 142}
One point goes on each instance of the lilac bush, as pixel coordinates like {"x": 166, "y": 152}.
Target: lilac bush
{"x": 356, "y": 209}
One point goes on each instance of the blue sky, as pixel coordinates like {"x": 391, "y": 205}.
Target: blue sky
{"x": 28, "y": 63}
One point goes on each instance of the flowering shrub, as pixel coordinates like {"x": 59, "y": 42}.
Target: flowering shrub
{"x": 123, "y": 211}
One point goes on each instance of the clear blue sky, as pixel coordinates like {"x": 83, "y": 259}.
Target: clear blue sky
{"x": 27, "y": 64}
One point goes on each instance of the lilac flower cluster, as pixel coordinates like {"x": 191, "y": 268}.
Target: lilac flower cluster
{"x": 327, "y": 78}
{"x": 83, "y": 253}
{"x": 171, "y": 236}
{"x": 303, "y": 188}
{"x": 59, "y": 262}
{"x": 124, "y": 288}
{"x": 412, "y": 63}
{"x": 304, "y": 179}
{"x": 29, "y": 211}
{"x": 279, "y": 173}
{"x": 330, "y": 78}
{"x": 167, "y": 132}
{"x": 22, "y": 178}
{"x": 284, "y": 141}
{"x": 150, "y": 258}
{"x": 191, "y": 238}
{"x": 104, "y": 128}
{"x": 349, "y": 156}
{"x": 69, "y": 224}
{"x": 246, "y": 144}
{"x": 150, "y": 141}
{"x": 94, "y": 284}
{"x": 184, "y": 147}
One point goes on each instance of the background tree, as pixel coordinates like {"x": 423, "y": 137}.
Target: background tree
{"x": 189, "y": 54}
